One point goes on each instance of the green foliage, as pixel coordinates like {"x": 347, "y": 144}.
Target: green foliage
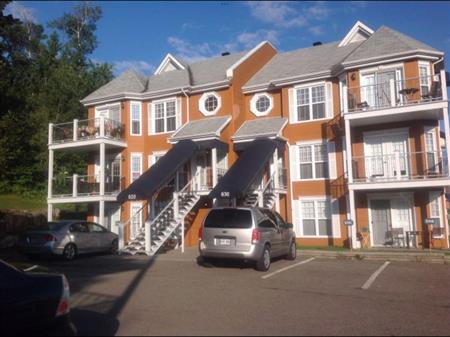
{"x": 43, "y": 78}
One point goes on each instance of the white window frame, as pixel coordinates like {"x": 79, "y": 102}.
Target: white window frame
{"x": 152, "y": 119}
{"x": 135, "y": 155}
{"x": 436, "y": 196}
{"x": 152, "y": 157}
{"x": 139, "y": 104}
{"x": 425, "y": 64}
{"x": 255, "y": 99}
{"x": 202, "y": 100}
{"x": 135, "y": 205}
{"x": 312, "y": 145}
{"x": 315, "y": 200}
{"x": 309, "y": 86}
{"x": 108, "y": 108}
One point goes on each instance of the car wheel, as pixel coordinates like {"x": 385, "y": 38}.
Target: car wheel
{"x": 114, "y": 247}
{"x": 292, "y": 255}
{"x": 70, "y": 252}
{"x": 263, "y": 264}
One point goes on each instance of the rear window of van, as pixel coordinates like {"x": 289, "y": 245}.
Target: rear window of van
{"x": 229, "y": 218}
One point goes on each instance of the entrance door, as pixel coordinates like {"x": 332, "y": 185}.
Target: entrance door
{"x": 384, "y": 95}
{"x": 381, "y": 221}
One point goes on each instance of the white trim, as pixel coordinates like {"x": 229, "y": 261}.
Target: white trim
{"x": 315, "y": 199}
{"x": 109, "y": 107}
{"x": 231, "y": 69}
{"x": 202, "y": 100}
{"x": 135, "y": 204}
{"x": 88, "y": 143}
{"x": 255, "y": 99}
{"x": 370, "y": 70}
{"x": 358, "y": 26}
{"x": 392, "y": 185}
{"x": 135, "y": 155}
{"x": 169, "y": 58}
{"x": 139, "y": 104}
{"x": 390, "y": 58}
{"x": 438, "y": 198}
{"x": 152, "y": 130}
{"x": 151, "y": 157}
{"x": 311, "y": 143}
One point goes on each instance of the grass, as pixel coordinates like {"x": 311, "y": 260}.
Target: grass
{"x": 24, "y": 203}
{"x": 325, "y": 248}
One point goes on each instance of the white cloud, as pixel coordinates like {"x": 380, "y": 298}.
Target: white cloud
{"x": 316, "y": 30}
{"x": 250, "y": 40}
{"x": 190, "y": 52}
{"x": 140, "y": 66}
{"x": 19, "y": 11}
{"x": 278, "y": 13}
{"x": 318, "y": 12}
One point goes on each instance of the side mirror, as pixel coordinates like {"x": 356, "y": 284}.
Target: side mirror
{"x": 289, "y": 225}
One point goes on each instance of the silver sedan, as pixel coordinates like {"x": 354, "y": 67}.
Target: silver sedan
{"x": 68, "y": 239}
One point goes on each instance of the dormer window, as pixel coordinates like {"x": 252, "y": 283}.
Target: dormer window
{"x": 261, "y": 104}
{"x": 209, "y": 103}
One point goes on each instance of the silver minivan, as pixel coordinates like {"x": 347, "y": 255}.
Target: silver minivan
{"x": 246, "y": 233}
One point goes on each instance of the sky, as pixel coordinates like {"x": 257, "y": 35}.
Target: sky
{"x": 138, "y": 34}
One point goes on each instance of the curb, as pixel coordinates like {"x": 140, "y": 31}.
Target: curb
{"x": 432, "y": 258}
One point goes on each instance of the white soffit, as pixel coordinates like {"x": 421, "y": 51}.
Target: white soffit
{"x": 359, "y": 32}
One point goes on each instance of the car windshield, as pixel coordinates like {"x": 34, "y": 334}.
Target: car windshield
{"x": 229, "y": 218}
{"x": 52, "y": 226}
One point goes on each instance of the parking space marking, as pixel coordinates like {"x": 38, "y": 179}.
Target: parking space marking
{"x": 286, "y": 268}
{"x": 374, "y": 276}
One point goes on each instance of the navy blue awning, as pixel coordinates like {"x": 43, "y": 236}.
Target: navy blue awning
{"x": 239, "y": 178}
{"x": 165, "y": 169}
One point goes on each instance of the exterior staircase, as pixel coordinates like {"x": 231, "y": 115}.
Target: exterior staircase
{"x": 266, "y": 197}
{"x": 166, "y": 227}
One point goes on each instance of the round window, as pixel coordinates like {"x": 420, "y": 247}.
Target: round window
{"x": 262, "y": 104}
{"x": 211, "y": 103}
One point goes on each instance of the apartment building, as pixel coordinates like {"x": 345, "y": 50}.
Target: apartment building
{"x": 342, "y": 139}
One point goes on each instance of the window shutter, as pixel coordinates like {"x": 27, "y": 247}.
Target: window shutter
{"x": 335, "y": 218}
{"x": 179, "y": 114}
{"x": 292, "y": 106}
{"x": 150, "y": 118}
{"x": 331, "y": 147}
{"x": 294, "y": 162}
{"x": 296, "y": 218}
{"x": 329, "y": 95}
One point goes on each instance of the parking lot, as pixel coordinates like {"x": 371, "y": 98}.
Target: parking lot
{"x": 173, "y": 295}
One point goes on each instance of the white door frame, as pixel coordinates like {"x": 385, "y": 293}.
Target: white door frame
{"x": 390, "y": 196}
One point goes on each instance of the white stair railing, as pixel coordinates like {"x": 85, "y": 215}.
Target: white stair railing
{"x": 262, "y": 192}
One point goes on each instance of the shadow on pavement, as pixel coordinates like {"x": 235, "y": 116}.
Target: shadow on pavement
{"x": 92, "y": 323}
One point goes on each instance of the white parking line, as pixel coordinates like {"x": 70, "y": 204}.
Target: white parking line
{"x": 374, "y": 276}
{"x": 286, "y": 268}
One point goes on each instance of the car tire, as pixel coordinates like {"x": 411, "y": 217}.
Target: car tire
{"x": 69, "y": 252}
{"x": 114, "y": 247}
{"x": 292, "y": 255}
{"x": 263, "y": 264}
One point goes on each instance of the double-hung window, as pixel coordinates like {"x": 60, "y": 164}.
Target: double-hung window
{"x": 164, "y": 116}
{"x": 315, "y": 218}
{"x": 311, "y": 103}
{"x": 136, "y": 166}
{"x": 424, "y": 78}
{"x": 313, "y": 160}
{"x": 136, "y": 119}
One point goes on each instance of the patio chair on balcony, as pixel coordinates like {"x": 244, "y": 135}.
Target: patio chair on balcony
{"x": 432, "y": 93}
{"x": 397, "y": 236}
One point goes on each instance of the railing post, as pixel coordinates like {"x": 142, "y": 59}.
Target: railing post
{"x": 214, "y": 166}
{"x": 444, "y": 85}
{"x": 50, "y": 133}
{"x": 121, "y": 235}
{"x": 392, "y": 91}
{"x": 260, "y": 198}
{"x": 276, "y": 173}
{"x": 102, "y": 169}
{"x": 102, "y": 126}
{"x": 397, "y": 165}
{"x": 348, "y": 142}
{"x": 50, "y": 174}
{"x": 75, "y": 185}
{"x": 148, "y": 243}
{"x": 176, "y": 205}
{"x": 75, "y": 130}
{"x": 182, "y": 235}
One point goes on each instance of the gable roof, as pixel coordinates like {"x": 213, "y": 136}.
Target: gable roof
{"x": 386, "y": 42}
{"x": 358, "y": 32}
{"x": 306, "y": 62}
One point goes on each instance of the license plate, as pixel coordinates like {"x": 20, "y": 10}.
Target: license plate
{"x": 224, "y": 242}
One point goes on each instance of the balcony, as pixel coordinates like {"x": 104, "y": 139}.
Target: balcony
{"x": 85, "y": 188}
{"x": 397, "y": 100}
{"x": 400, "y": 170}
{"x": 203, "y": 183}
{"x": 88, "y": 132}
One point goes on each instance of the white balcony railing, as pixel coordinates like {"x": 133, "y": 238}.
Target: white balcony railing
{"x": 85, "y": 185}
{"x": 87, "y": 129}
{"x": 400, "y": 166}
{"x": 395, "y": 93}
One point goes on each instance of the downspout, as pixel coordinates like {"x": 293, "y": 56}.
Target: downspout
{"x": 187, "y": 103}
{"x": 438, "y": 61}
